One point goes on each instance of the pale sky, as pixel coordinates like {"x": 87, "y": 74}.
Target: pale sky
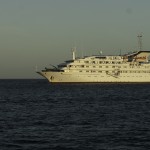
{"x": 42, "y": 32}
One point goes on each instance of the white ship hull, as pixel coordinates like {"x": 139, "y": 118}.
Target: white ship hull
{"x": 62, "y": 77}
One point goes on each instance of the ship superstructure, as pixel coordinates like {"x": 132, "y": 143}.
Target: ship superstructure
{"x": 133, "y": 67}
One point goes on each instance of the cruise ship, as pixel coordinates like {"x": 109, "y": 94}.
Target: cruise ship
{"x": 128, "y": 68}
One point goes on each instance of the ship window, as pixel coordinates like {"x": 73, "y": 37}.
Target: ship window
{"x": 107, "y": 67}
{"x": 100, "y": 66}
{"x": 86, "y": 61}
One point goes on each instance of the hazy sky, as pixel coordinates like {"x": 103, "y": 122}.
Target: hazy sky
{"x": 42, "y": 32}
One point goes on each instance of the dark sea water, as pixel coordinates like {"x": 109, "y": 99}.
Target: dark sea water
{"x": 36, "y": 115}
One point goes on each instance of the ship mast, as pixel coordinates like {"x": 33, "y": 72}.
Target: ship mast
{"x": 73, "y": 53}
{"x": 140, "y": 41}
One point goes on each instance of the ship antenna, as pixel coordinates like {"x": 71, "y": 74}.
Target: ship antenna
{"x": 140, "y": 41}
{"x": 73, "y": 53}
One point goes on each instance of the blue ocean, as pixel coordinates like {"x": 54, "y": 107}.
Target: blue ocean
{"x": 37, "y": 115}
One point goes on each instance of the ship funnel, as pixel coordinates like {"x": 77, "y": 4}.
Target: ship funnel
{"x": 73, "y": 53}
